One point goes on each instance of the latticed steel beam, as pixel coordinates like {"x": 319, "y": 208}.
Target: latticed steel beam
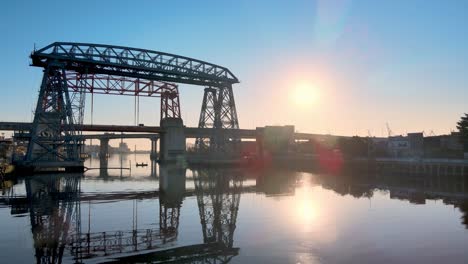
{"x": 118, "y": 85}
{"x": 219, "y": 112}
{"x": 207, "y": 118}
{"x": 170, "y": 104}
{"x": 133, "y": 62}
{"x": 53, "y": 129}
{"x": 107, "y": 69}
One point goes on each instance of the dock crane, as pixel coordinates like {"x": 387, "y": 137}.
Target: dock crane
{"x": 389, "y": 131}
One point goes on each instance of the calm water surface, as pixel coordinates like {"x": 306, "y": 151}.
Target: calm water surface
{"x": 156, "y": 214}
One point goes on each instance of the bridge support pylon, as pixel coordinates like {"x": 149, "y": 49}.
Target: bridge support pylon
{"x": 103, "y": 148}
{"x": 154, "y": 149}
{"x": 218, "y": 112}
{"x": 103, "y": 156}
{"x": 172, "y": 146}
{"x": 53, "y": 143}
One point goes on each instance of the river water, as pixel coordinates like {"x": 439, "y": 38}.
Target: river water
{"x": 157, "y": 214}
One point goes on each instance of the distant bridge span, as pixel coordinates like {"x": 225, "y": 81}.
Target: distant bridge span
{"x": 190, "y": 132}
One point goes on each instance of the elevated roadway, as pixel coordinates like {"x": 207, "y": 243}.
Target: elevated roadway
{"x": 190, "y": 132}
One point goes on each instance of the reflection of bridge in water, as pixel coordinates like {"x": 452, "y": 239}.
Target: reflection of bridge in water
{"x": 54, "y": 205}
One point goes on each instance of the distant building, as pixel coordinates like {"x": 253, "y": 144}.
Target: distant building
{"x": 416, "y": 144}
{"x": 410, "y": 146}
{"x": 123, "y": 148}
{"x": 379, "y": 147}
{"x": 444, "y": 146}
{"x": 91, "y": 149}
{"x": 398, "y": 146}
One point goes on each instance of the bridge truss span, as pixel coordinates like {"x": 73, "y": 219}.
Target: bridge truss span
{"x": 118, "y": 85}
{"x": 133, "y": 62}
{"x": 71, "y": 70}
{"x": 121, "y": 85}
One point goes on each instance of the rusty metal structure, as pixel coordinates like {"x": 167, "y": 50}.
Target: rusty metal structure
{"x": 73, "y": 69}
{"x": 79, "y": 83}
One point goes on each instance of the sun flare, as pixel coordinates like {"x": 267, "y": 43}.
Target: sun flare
{"x": 305, "y": 94}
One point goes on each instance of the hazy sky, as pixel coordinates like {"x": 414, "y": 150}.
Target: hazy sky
{"x": 358, "y": 64}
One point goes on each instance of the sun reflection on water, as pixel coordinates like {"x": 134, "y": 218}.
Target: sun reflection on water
{"x": 307, "y": 209}
{"x": 311, "y": 211}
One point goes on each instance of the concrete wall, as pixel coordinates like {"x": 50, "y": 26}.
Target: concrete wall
{"x": 172, "y": 146}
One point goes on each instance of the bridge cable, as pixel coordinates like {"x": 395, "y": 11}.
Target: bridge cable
{"x": 92, "y": 113}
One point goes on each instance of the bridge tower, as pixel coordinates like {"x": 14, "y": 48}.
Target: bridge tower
{"x": 53, "y": 142}
{"x": 218, "y": 112}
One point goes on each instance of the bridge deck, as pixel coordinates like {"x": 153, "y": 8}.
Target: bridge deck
{"x": 190, "y": 132}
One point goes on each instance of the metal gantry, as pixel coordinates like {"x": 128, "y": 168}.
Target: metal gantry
{"x": 74, "y": 69}
{"x": 53, "y": 132}
{"x": 79, "y": 83}
{"x": 218, "y": 112}
{"x": 133, "y": 62}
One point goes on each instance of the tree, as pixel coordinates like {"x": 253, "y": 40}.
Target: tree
{"x": 462, "y": 126}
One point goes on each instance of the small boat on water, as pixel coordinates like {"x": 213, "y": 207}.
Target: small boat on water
{"x": 141, "y": 164}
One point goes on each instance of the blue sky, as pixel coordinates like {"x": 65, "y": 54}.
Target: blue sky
{"x": 369, "y": 62}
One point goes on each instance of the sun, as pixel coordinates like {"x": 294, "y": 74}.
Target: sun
{"x": 305, "y": 94}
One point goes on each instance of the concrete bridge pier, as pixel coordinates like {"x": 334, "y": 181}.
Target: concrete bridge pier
{"x": 103, "y": 155}
{"x": 104, "y": 148}
{"x": 259, "y": 138}
{"x": 154, "y": 169}
{"x": 172, "y": 146}
{"x": 154, "y": 149}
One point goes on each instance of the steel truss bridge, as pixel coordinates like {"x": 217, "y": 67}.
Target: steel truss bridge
{"x": 190, "y": 132}
{"x": 72, "y": 70}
